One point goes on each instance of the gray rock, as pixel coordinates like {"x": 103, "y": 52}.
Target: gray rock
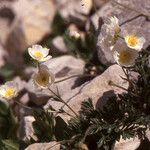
{"x": 44, "y": 146}
{"x": 17, "y": 21}
{"x": 74, "y": 11}
{"x": 7, "y": 19}
{"x": 36, "y": 18}
{"x": 58, "y": 45}
{"x": 128, "y": 19}
{"x": 98, "y": 89}
{"x": 100, "y": 3}
{"x": 26, "y": 131}
{"x": 64, "y": 67}
{"x": 129, "y": 144}
{"x": 3, "y": 56}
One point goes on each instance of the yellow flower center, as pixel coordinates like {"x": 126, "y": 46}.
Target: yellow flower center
{"x": 124, "y": 56}
{"x": 10, "y": 92}
{"x": 132, "y": 40}
{"x": 38, "y": 55}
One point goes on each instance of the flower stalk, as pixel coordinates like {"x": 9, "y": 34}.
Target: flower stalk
{"x": 61, "y": 100}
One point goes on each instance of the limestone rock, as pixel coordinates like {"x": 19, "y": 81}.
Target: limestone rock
{"x": 99, "y": 3}
{"x": 36, "y": 18}
{"x": 26, "y": 130}
{"x": 3, "y": 56}
{"x": 129, "y": 144}
{"x": 25, "y": 22}
{"x": 98, "y": 89}
{"x": 58, "y": 45}
{"x": 74, "y": 11}
{"x": 43, "y": 146}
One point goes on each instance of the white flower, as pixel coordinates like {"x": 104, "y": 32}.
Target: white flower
{"x": 9, "y": 90}
{"x": 124, "y": 55}
{"x": 44, "y": 78}
{"x": 108, "y": 41}
{"x": 39, "y": 53}
{"x": 74, "y": 34}
{"x": 134, "y": 41}
{"x": 113, "y": 26}
{"x": 110, "y": 32}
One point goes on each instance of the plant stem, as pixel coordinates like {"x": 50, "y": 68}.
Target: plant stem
{"x": 42, "y": 110}
{"x": 62, "y": 101}
{"x": 57, "y": 143}
{"x": 73, "y": 76}
{"x": 22, "y": 105}
{"x": 113, "y": 84}
{"x": 121, "y": 37}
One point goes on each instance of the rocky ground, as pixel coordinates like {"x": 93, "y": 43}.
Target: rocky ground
{"x": 52, "y": 23}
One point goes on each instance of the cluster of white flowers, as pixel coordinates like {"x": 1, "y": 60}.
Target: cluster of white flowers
{"x": 43, "y": 78}
{"x": 125, "y": 49}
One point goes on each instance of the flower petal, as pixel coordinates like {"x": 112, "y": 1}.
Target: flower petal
{"x": 46, "y": 58}
{"x": 44, "y": 78}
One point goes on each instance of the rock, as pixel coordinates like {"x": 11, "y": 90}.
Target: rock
{"x": 100, "y": 3}
{"x": 7, "y": 19}
{"x": 98, "y": 89}
{"x": 3, "y": 56}
{"x": 62, "y": 67}
{"x": 21, "y": 83}
{"x": 26, "y": 131}
{"x": 129, "y": 144}
{"x": 28, "y": 71}
{"x": 36, "y": 18}
{"x": 58, "y": 45}
{"x": 74, "y": 11}
{"x": 128, "y": 19}
{"x": 44, "y": 146}
{"x": 95, "y": 22}
{"x": 132, "y": 143}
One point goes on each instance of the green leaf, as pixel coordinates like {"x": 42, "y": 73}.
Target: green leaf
{"x": 60, "y": 129}
{"x": 7, "y": 71}
{"x": 10, "y": 144}
{"x": 4, "y": 109}
{"x": 44, "y": 123}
